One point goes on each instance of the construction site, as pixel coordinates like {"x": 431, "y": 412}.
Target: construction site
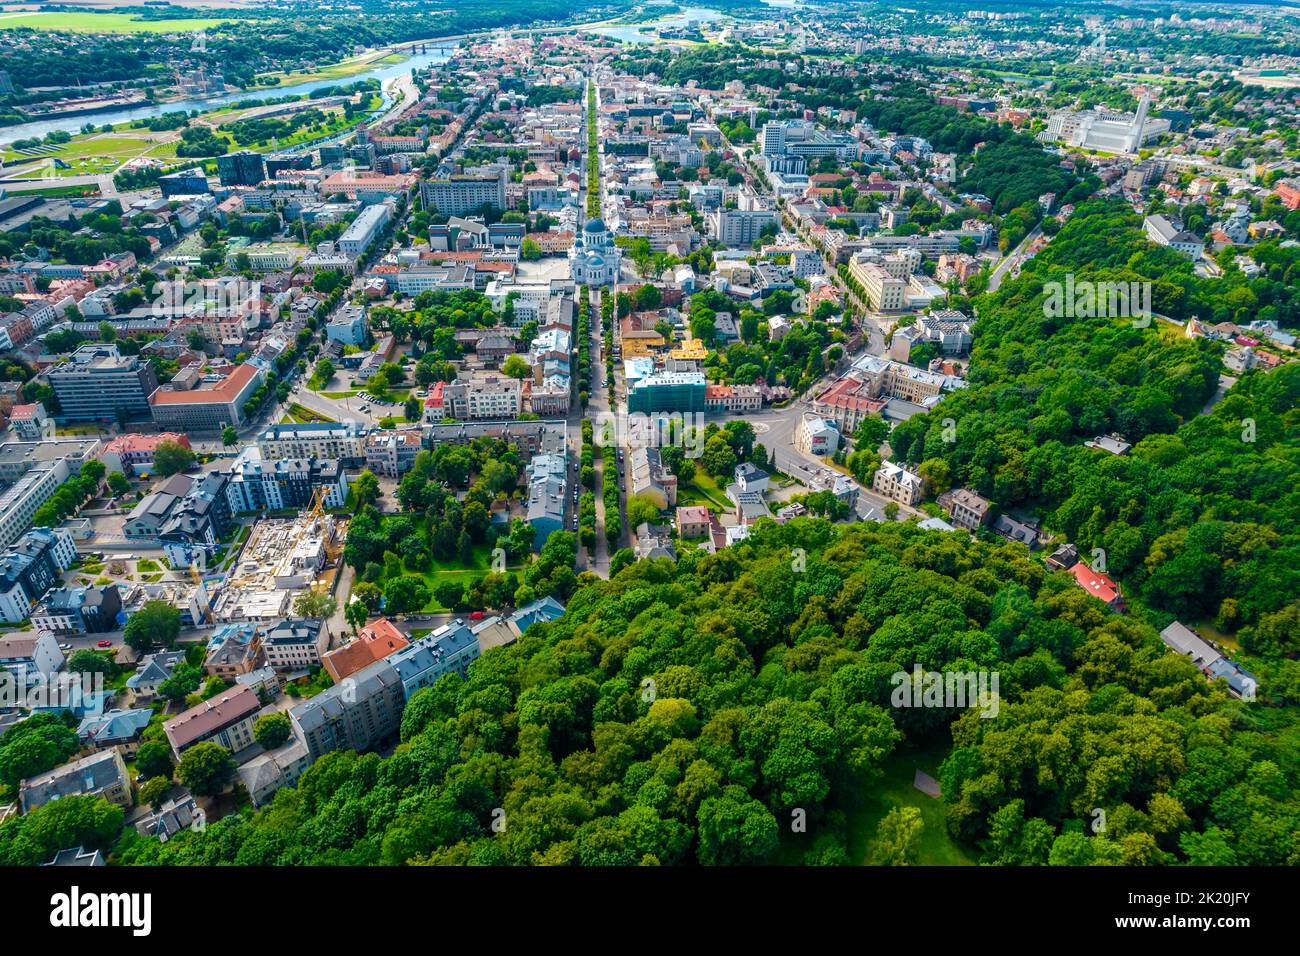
{"x": 282, "y": 557}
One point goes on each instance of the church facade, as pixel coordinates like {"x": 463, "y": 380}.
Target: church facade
{"x": 594, "y": 259}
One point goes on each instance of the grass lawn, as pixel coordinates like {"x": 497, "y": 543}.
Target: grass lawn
{"x": 337, "y": 395}
{"x": 440, "y": 571}
{"x": 302, "y": 414}
{"x": 703, "y": 490}
{"x": 865, "y": 811}
{"x": 896, "y": 790}
{"x": 336, "y": 71}
{"x": 88, "y": 22}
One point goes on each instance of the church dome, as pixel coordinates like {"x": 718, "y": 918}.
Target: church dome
{"x": 595, "y": 226}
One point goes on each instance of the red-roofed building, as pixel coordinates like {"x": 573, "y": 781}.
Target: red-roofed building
{"x": 214, "y": 404}
{"x": 376, "y": 642}
{"x": 692, "y": 521}
{"x": 1098, "y": 584}
{"x": 30, "y": 422}
{"x": 226, "y": 719}
{"x": 127, "y": 453}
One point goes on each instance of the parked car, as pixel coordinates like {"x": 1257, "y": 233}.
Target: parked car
{"x": 103, "y": 643}
{"x": 476, "y": 615}
{"x": 65, "y": 647}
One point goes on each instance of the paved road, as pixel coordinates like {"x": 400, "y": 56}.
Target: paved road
{"x": 1013, "y": 260}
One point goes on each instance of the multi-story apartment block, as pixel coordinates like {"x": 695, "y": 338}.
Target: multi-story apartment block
{"x": 363, "y": 230}
{"x": 493, "y": 398}
{"x": 353, "y": 715}
{"x": 257, "y": 485}
{"x": 449, "y": 649}
{"x": 102, "y": 774}
{"x": 345, "y": 441}
{"x": 79, "y": 610}
{"x": 392, "y": 453}
{"x": 460, "y": 194}
{"x": 30, "y": 568}
{"x": 295, "y": 644}
{"x": 226, "y": 719}
{"x": 966, "y": 509}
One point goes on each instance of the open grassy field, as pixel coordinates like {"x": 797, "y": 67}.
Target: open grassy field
{"x": 97, "y": 153}
{"x": 336, "y": 71}
{"x": 865, "y": 811}
{"x": 88, "y": 22}
{"x": 456, "y": 571}
{"x": 703, "y": 490}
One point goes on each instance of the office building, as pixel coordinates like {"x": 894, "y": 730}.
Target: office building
{"x": 244, "y": 168}
{"x": 99, "y": 383}
{"x": 668, "y": 392}
{"x": 210, "y": 404}
{"x": 363, "y": 230}
{"x": 461, "y": 194}
{"x": 186, "y": 182}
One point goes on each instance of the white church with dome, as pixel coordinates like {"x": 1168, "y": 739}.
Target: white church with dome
{"x": 594, "y": 259}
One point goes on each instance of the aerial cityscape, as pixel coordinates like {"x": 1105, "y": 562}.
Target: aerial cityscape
{"x": 767, "y": 433}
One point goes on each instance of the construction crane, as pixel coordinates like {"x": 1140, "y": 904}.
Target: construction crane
{"x": 198, "y": 579}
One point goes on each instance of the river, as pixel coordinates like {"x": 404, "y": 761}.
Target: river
{"x": 73, "y": 124}
{"x": 632, "y": 32}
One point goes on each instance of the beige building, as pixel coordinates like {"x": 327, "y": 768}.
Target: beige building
{"x": 896, "y": 482}
{"x": 966, "y": 509}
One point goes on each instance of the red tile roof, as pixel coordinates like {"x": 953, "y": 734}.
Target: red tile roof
{"x": 376, "y": 642}
{"x": 1096, "y": 583}
{"x": 223, "y": 392}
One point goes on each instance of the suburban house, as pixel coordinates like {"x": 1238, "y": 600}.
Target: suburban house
{"x": 693, "y": 521}
{"x": 1098, "y": 584}
{"x": 152, "y": 671}
{"x": 114, "y": 728}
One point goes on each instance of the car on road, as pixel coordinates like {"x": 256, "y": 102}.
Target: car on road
{"x": 65, "y": 647}
{"x": 103, "y": 643}
{"x": 476, "y": 615}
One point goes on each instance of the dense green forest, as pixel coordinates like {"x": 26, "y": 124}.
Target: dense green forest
{"x": 1200, "y": 519}
{"x": 688, "y": 712}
